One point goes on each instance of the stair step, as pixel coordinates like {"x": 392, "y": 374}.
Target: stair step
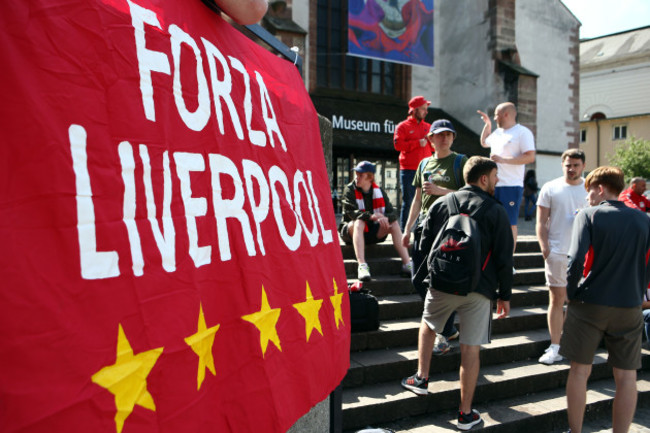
{"x": 539, "y": 412}
{"x": 384, "y": 249}
{"x": 388, "y": 401}
{"x": 391, "y": 267}
{"x": 383, "y": 365}
{"x": 525, "y": 244}
{"x": 400, "y": 306}
{"x": 410, "y": 305}
{"x": 404, "y": 332}
{"x": 383, "y": 266}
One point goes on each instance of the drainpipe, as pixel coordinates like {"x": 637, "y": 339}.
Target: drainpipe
{"x": 597, "y": 142}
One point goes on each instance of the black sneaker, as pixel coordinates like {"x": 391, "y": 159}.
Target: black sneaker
{"x": 468, "y": 420}
{"x": 416, "y": 384}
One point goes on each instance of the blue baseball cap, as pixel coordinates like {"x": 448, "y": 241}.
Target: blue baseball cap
{"x": 441, "y": 125}
{"x": 365, "y": 167}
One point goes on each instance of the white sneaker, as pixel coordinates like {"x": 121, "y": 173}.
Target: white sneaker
{"x": 550, "y": 356}
{"x": 363, "y": 272}
{"x": 407, "y": 269}
{"x": 441, "y": 346}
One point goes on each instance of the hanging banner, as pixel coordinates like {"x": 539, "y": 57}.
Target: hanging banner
{"x": 169, "y": 258}
{"x": 398, "y": 31}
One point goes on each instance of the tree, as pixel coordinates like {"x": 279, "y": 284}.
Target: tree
{"x": 633, "y": 157}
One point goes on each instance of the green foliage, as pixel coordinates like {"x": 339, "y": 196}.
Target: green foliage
{"x": 633, "y": 157}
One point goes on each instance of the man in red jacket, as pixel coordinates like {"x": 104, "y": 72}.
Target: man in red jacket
{"x": 633, "y": 196}
{"x": 411, "y": 143}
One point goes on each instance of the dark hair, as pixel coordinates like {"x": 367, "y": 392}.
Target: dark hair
{"x": 529, "y": 174}
{"x": 610, "y": 177}
{"x": 573, "y": 154}
{"x": 636, "y": 180}
{"x": 477, "y": 166}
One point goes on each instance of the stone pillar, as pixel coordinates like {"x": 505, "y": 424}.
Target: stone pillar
{"x": 326, "y": 137}
{"x": 527, "y": 102}
{"x": 501, "y": 14}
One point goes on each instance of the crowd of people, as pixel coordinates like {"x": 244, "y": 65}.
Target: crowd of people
{"x": 598, "y": 286}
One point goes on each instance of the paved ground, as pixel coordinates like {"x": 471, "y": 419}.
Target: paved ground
{"x": 526, "y": 228}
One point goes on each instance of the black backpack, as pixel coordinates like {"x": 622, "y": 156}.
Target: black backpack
{"x": 364, "y": 310}
{"x": 454, "y": 262}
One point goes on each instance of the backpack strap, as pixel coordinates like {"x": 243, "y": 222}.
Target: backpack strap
{"x": 452, "y": 203}
{"x": 423, "y": 164}
{"x": 457, "y": 174}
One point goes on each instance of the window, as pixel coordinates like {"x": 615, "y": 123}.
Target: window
{"x": 620, "y": 132}
{"x": 583, "y": 135}
{"x": 336, "y": 70}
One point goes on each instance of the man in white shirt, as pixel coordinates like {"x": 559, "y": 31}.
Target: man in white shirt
{"x": 512, "y": 147}
{"x": 559, "y": 202}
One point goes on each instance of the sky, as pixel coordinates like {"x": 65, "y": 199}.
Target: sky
{"x": 604, "y": 17}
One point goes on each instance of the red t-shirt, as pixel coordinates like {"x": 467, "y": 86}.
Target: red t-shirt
{"x": 634, "y": 200}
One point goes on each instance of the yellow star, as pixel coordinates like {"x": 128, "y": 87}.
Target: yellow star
{"x": 336, "y": 299}
{"x": 127, "y": 378}
{"x": 309, "y": 310}
{"x": 265, "y": 320}
{"x": 201, "y": 343}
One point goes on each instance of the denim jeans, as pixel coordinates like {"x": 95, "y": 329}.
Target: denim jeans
{"x": 408, "y": 191}
{"x": 646, "y": 323}
{"x": 529, "y": 200}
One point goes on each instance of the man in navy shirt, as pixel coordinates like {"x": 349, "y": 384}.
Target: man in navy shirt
{"x": 607, "y": 275}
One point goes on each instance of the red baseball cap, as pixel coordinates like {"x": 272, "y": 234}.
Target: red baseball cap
{"x": 418, "y": 101}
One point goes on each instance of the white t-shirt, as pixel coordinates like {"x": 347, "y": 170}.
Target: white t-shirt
{"x": 511, "y": 142}
{"x": 564, "y": 202}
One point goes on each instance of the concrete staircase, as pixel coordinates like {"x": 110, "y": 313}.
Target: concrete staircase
{"x": 514, "y": 392}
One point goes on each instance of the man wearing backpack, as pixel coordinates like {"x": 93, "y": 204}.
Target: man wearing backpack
{"x": 435, "y": 177}
{"x": 483, "y": 230}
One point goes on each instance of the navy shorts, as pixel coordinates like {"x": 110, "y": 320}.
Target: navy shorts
{"x": 510, "y": 198}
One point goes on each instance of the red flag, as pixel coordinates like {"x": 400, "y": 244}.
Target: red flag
{"x": 169, "y": 253}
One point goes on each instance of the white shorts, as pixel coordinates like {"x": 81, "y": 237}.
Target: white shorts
{"x": 474, "y": 311}
{"x": 555, "y": 268}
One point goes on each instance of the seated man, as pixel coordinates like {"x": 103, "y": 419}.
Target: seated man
{"x": 368, "y": 218}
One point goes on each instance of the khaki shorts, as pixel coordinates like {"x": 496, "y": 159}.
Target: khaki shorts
{"x": 474, "y": 311}
{"x": 587, "y": 324}
{"x": 555, "y": 267}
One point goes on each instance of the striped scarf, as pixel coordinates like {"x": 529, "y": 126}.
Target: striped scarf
{"x": 378, "y": 203}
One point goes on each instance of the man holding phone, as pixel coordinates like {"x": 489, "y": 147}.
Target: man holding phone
{"x": 435, "y": 177}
